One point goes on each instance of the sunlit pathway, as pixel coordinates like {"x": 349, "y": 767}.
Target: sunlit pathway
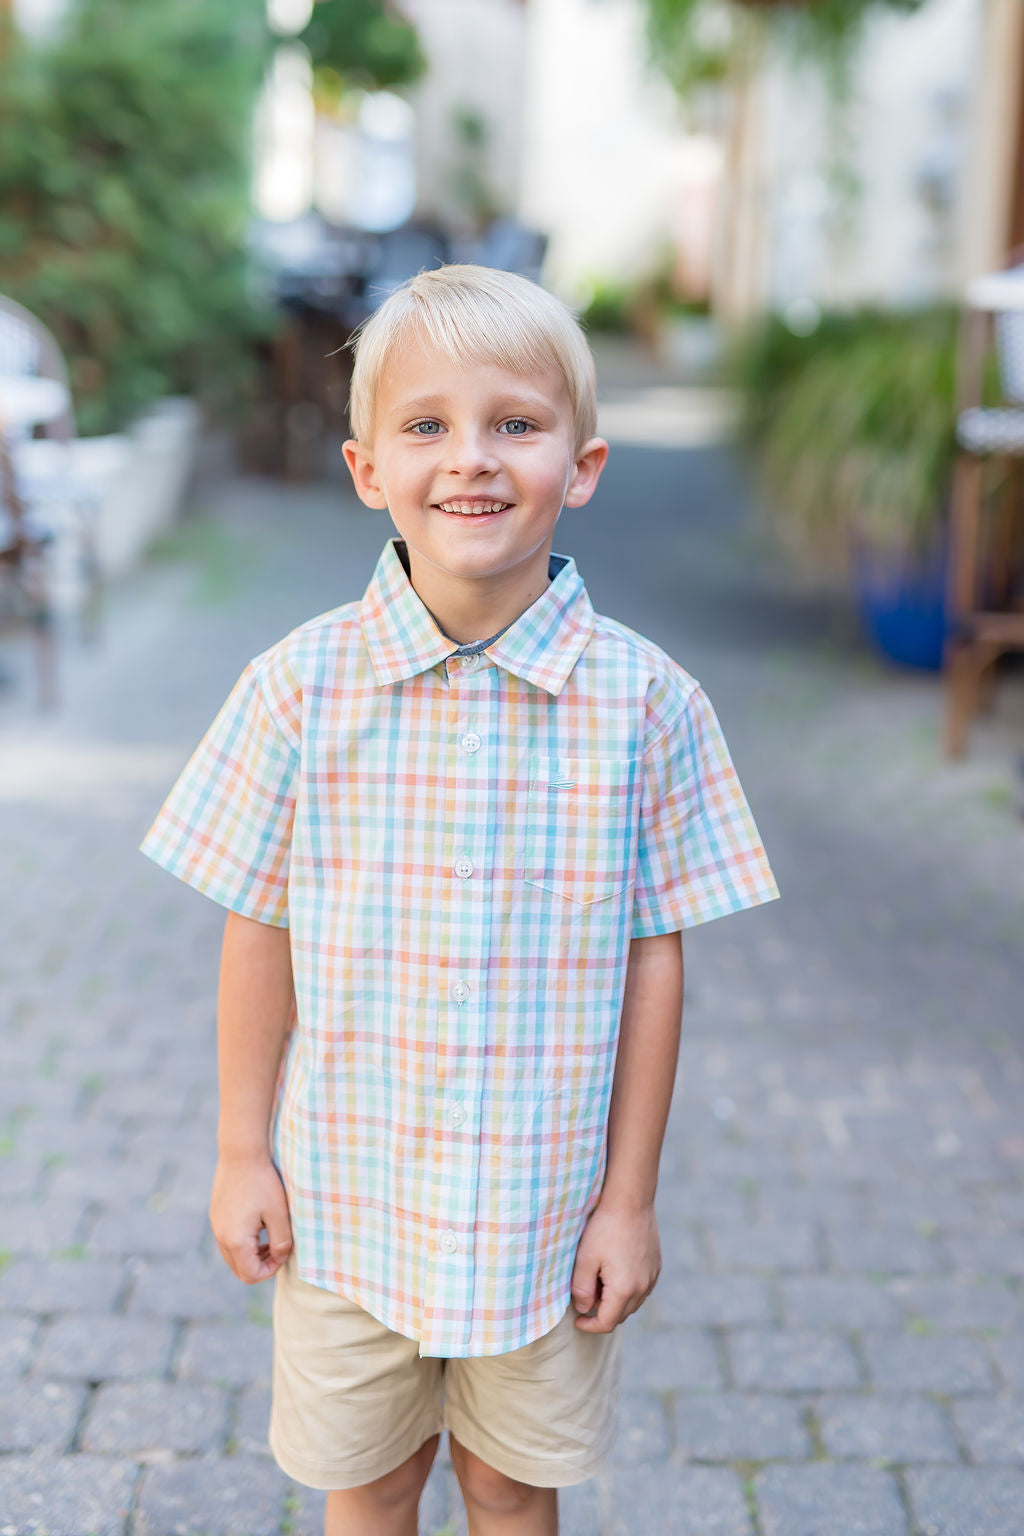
{"x": 837, "y": 1341}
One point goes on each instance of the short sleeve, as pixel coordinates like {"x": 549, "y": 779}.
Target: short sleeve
{"x": 699, "y": 854}
{"x": 226, "y": 826}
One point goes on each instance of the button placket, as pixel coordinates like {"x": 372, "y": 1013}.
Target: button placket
{"x": 465, "y": 940}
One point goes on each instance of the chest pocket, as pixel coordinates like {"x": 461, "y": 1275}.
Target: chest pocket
{"x": 581, "y": 828}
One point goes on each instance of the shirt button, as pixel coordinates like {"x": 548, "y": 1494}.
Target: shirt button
{"x": 448, "y": 1242}
{"x": 459, "y": 991}
{"x": 463, "y": 868}
{"x": 456, "y": 1114}
{"x": 471, "y": 663}
{"x": 470, "y": 742}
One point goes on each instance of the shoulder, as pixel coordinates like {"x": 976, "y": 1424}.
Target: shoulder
{"x": 667, "y": 689}
{"x": 304, "y": 659}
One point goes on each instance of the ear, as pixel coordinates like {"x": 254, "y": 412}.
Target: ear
{"x": 361, "y": 467}
{"x": 590, "y": 461}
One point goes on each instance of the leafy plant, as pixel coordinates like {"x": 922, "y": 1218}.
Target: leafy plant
{"x": 608, "y": 306}
{"x": 696, "y": 41}
{"x": 124, "y": 196}
{"x": 854, "y": 427}
{"x": 365, "y": 44}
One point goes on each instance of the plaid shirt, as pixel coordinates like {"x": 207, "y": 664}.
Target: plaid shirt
{"x": 462, "y": 848}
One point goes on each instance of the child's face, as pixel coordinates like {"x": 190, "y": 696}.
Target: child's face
{"x": 451, "y": 439}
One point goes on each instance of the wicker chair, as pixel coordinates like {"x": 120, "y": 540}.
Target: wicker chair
{"x": 986, "y": 603}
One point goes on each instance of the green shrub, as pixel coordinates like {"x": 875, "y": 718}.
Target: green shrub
{"x": 608, "y": 307}
{"x": 854, "y": 429}
{"x": 125, "y": 149}
{"x": 364, "y": 43}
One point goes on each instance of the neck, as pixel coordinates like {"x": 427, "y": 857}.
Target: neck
{"x": 468, "y": 610}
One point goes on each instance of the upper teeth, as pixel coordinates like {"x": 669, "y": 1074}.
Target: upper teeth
{"x": 472, "y": 508}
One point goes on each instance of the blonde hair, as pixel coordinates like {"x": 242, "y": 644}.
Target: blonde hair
{"x": 476, "y": 315}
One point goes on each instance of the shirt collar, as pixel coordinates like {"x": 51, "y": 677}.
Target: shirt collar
{"x": 542, "y": 646}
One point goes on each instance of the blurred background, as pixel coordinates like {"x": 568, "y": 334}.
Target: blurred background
{"x": 784, "y": 203}
{"x": 794, "y": 233}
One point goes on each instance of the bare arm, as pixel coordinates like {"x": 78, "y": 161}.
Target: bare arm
{"x": 619, "y": 1254}
{"x": 253, "y": 1007}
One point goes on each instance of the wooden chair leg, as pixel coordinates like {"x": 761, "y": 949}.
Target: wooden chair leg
{"x": 1005, "y": 522}
{"x": 962, "y": 600}
{"x": 987, "y": 672}
{"x": 961, "y": 675}
{"x": 965, "y": 531}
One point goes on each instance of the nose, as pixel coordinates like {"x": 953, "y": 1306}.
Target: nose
{"x": 469, "y": 453}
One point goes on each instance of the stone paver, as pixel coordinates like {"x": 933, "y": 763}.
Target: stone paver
{"x": 870, "y": 1427}
{"x": 61, "y": 1285}
{"x": 680, "y": 1360}
{"x": 829, "y": 1501}
{"x": 43, "y": 1495}
{"x": 992, "y": 1428}
{"x": 37, "y": 1416}
{"x": 842, "y": 1195}
{"x": 719, "y": 1300}
{"x": 230, "y": 1354}
{"x": 252, "y": 1419}
{"x": 708, "y": 1499}
{"x": 731, "y": 1426}
{"x": 924, "y": 1363}
{"x": 837, "y": 1301}
{"x": 220, "y": 1498}
{"x": 193, "y": 1290}
{"x": 967, "y": 1501}
{"x": 17, "y": 1337}
{"x": 102, "y": 1346}
{"x": 962, "y": 1302}
{"x": 644, "y": 1431}
{"x": 794, "y": 1246}
{"x": 139, "y": 1417}
{"x": 791, "y": 1360}
{"x": 1009, "y": 1358}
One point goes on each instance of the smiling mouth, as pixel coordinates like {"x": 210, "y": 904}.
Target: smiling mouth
{"x": 464, "y": 508}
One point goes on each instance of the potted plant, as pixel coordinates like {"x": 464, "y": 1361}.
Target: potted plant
{"x": 854, "y": 431}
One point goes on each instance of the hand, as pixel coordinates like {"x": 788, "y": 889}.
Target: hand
{"x": 617, "y": 1264}
{"x": 248, "y": 1196}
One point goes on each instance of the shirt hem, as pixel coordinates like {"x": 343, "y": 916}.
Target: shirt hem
{"x": 675, "y": 921}
{"x": 545, "y": 1321}
{"x": 195, "y": 882}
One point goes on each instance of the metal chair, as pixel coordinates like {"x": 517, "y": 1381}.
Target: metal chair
{"x": 985, "y": 599}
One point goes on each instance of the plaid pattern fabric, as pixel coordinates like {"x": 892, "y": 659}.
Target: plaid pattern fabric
{"x": 462, "y": 848}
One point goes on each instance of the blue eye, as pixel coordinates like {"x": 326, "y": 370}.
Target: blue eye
{"x": 517, "y": 426}
{"x": 432, "y": 428}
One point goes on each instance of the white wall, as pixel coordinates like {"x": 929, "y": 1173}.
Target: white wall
{"x": 475, "y": 50}
{"x": 604, "y": 156}
{"x": 909, "y": 128}
{"x": 609, "y": 171}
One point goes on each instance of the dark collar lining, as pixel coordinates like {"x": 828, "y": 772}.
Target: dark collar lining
{"x": 474, "y": 647}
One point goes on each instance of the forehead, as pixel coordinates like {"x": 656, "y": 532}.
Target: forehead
{"x": 418, "y": 373}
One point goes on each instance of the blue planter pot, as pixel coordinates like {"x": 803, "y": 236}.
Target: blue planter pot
{"x": 902, "y": 602}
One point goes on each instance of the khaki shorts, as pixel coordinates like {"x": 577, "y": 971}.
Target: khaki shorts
{"x": 353, "y": 1400}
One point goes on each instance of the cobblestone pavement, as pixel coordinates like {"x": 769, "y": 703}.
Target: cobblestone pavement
{"x": 836, "y": 1346}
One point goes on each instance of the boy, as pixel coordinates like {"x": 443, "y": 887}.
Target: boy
{"x": 458, "y": 827}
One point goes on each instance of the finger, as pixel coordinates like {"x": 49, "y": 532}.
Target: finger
{"x": 583, "y": 1288}
{"x": 234, "y": 1257}
{"x": 611, "y": 1310}
{"x": 279, "y": 1236}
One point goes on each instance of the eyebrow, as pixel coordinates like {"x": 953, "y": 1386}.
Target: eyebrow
{"x": 530, "y": 402}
